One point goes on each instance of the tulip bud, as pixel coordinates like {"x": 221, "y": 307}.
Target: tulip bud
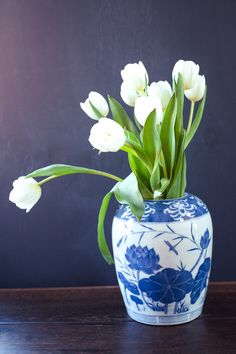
{"x": 161, "y": 90}
{"x": 196, "y": 92}
{"x": 95, "y": 106}
{"x": 107, "y": 135}
{"x": 144, "y": 106}
{"x": 135, "y": 77}
{"x": 188, "y": 69}
{"x": 25, "y": 193}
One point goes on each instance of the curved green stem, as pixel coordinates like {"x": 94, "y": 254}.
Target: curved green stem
{"x": 190, "y": 116}
{"x": 47, "y": 179}
{"x": 99, "y": 173}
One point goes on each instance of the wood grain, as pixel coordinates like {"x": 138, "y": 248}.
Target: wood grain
{"x": 93, "y": 320}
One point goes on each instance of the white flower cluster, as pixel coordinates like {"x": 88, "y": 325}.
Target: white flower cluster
{"x": 107, "y": 135}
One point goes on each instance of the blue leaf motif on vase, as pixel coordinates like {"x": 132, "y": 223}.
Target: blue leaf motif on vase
{"x": 168, "y": 285}
{"x": 142, "y": 259}
{"x": 205, "y": 240}
{"x": 200, "y": 280}
{"x": 136, "y": 299}
{"x": 128, "y": 285}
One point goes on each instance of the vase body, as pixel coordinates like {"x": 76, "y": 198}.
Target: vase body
{"x": 163, "y": 261}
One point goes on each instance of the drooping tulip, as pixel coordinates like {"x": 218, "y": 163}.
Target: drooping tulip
{"x": 25, "y": 193}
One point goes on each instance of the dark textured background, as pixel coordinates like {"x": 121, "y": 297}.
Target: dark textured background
{"x": 52, "y": 53}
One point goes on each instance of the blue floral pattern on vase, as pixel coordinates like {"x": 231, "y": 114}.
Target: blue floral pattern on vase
{"x": 205, "y": 240}
{"x": 163, "y": 264}
{"x": 128, "y": 285}
{"x": 200, "y": 281}
{"x": 179, "y": 209}
{"x": 167, "y": 286}
{"x": 142, "y": 259}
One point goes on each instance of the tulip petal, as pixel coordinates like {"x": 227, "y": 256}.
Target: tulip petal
{"x": 196, "y": 92}
{"x": 95, "y": 106}
{"x": 144, "y": 106}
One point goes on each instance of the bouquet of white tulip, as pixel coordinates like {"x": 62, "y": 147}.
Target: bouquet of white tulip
{"x": 155, "y": 141}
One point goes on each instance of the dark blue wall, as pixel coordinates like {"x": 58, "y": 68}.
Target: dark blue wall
{"x": 52, "y": 53}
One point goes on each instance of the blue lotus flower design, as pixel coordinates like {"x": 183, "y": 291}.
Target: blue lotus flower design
{"x": 142, "y": 259}
{"x": 205, "y": 240}
{"x": 200, "y": 280}
{"x": 167, "y": 286}
{"x": 128, "y": 285}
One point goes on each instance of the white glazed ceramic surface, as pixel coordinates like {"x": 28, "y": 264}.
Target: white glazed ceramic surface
{"x": 163, "y": 262}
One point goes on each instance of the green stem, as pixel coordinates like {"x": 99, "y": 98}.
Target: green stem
{"x": 47, "y": 179}
{"x": 99, "y": 173}
{"x": 190, "y": 116}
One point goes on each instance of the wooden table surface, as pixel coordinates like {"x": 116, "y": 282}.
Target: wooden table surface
{"x": 93, "y": 320}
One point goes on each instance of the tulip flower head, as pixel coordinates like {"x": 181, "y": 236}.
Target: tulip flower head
{"x": 162, "y": 91}
{"x": 144, "y": 106}
{"x": 107, "y": 135}
{"x": 194, "y": 84}
{"x": 95, "y": 106}
{"x": 26, "y": 193}
{"x": 135, "y": 81}
{"x": 196, "y": 92}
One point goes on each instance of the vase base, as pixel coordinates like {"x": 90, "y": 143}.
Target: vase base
{"x": 166, "y": 320}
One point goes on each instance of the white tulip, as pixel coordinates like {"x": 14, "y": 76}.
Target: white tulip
{"x": 107, "y": 135}
{"x": 135, "y": 77}
{"x": 188, "y": 69}
{"x": 99, "y": 103}
{"x": 128, "y": 94}
{"x": 25, "y": 193}
{"x": 144, "y": 106}
{"x": 196, "y": 92}
{"x": 161, "y": 90}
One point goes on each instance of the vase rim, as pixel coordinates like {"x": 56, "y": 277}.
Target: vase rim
{"x": 186, "y": 194}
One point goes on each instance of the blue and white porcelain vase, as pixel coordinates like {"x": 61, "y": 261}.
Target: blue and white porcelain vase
{"x": 163, "y": 262}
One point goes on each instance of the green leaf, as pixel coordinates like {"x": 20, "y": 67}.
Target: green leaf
{"x": 179, "y": 92}
{"x": 177, "y": 184}
{"x": 102, "y": 243}
{"x": 151, "y": 138}
{"x": 128, "y": 192}
{"x": 95, "y": 111}
{"x": 168, "y": 135}
{"x": 143, "y": 176}
{"x": 155, "y": 177}
{"x": 140, "y": 128}
{"x": 137, "y": 150}
{"x": 120, "y": 116}
{"x": 58, "y": 170}
{"x": 196, "y": 121}
{"x": 152, "y": 147}
{"x": 164, "y": 184}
